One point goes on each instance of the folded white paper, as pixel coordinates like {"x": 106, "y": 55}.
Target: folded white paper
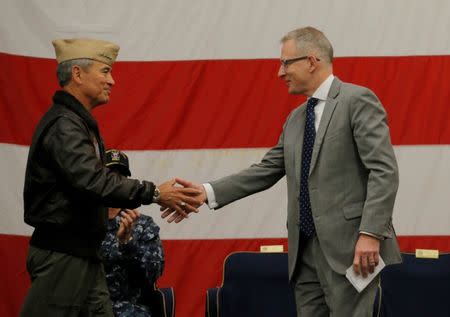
{"x": 360, "y": 282}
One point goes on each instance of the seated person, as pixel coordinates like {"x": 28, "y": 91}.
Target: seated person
{"x": 133, "y": 259}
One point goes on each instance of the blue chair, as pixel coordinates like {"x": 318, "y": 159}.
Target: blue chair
{"x": 417, "y": 287}
{"x": 254, "y": 284}
{"x": 161, "y": 301}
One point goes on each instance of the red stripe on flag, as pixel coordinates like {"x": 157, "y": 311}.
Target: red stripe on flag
{"x": 411, "y": 243}
{"x": 225, "y": 103}
{"x": 192, "y": 266}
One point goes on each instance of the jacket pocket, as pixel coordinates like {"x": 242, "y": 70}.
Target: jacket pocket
{"x": 330, "y": 135}
{"x": 353, "y": 210}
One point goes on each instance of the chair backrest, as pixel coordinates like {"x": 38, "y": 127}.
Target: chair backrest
{"x": 160, "y": 301}
{"x": 256, "y": 284}
{"x": 416, "y": 287}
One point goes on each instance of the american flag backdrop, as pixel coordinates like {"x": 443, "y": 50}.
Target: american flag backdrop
{"x": 197, "y": 96}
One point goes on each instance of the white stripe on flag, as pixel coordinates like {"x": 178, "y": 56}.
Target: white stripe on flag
{"x": 421, "y": 207}
{"x": 231, "y": 29}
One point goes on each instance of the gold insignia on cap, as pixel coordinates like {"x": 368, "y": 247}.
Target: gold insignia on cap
{"x": 115, "y": 155}
{"x": 105, "y": 56}
{"x": 99, "y": 50}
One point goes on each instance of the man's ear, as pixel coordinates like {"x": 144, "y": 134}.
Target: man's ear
{"x": 76, "y": 74}
{"x": 313, "y": 61}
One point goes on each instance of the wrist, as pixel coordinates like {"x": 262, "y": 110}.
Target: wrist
{"x": 204, "y": 195}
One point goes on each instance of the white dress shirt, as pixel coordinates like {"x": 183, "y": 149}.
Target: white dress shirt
{"x": 322, "y": 94}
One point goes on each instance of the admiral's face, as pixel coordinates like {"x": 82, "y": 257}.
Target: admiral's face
{"x": 96, "y": 83}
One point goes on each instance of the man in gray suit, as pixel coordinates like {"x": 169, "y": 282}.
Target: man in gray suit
{"x": 342, "y": 179}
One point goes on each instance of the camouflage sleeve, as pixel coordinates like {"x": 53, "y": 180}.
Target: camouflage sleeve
{"x": 109, "y": 249}
{"x": 145, "y": 249}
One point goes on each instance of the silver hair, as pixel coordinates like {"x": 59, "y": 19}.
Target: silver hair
{"x": 309, "y": 40}
{"x": 64, "y": 70}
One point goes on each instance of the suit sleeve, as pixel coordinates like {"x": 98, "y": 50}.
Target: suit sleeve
{"x": 256, "y": 178}
{"x": 372, "y": 138}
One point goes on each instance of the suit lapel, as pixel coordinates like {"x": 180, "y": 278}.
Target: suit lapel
{"x": 328, "y": 110}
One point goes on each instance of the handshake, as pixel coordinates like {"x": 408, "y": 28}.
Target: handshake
{"x": 179, "y": 197}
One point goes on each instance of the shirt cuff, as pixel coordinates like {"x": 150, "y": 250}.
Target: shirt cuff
{"x": 372, "y": 235}
{"x": 210, "y": 196}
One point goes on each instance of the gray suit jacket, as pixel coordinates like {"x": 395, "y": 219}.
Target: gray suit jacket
{"x": 353, "y": 177}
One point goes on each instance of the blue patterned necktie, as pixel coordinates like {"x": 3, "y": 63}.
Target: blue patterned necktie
{"x": 306, "y": 219}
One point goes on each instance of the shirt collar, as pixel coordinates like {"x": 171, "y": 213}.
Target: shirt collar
{"x": 321, "y": 93}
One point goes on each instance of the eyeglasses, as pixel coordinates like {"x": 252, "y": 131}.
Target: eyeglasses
{"x": 286, "y": 62}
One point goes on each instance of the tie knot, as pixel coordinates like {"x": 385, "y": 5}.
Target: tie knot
{"x": 312, "y": 102}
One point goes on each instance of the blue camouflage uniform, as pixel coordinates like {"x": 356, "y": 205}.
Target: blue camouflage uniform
{"x": 132, "y": 267}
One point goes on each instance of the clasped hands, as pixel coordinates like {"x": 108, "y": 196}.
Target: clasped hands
{"x": 174, "y": 199}
{"x": 179, "y": 197}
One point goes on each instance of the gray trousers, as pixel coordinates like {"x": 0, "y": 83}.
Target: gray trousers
{"x": 321, "y": 292}
{"x": 64, "y": 285}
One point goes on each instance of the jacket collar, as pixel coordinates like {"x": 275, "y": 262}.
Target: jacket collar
{"x": 63, "y": 98}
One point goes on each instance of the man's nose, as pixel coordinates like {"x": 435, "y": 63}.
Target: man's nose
{"x": 111, "y": 80}
{"x": 281, "y": 71}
